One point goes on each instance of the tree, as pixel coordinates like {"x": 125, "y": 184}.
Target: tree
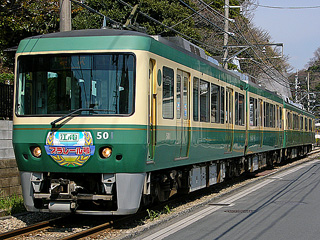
{"x": 168, "y": 12}
{"x": 314, "y": 62}
{"x": 24, "y": 18}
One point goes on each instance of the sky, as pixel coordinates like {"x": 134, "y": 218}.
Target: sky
{"x": 297, "y": 29}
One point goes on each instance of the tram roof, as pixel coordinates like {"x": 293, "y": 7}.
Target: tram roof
{"x": 110, "y": 39}
{"x": 90, "y": 33}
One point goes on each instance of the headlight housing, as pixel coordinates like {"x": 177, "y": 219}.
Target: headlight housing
{"x": 105, "y": 152}
{"x": 36, "y": 152}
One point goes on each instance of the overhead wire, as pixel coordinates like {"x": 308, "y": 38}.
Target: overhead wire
{"x": 164, "y": 25}
{"x": 213, "y": 24}
{"x": 202, "y": 43}
{"x": 95, "y": 11}
{"x": 290, "y": 8}
{"x": 285, "y": 80}
{"x": 190, "y": 16}
{"x": 239, "y": 31}
{"x": 249, "y": 44}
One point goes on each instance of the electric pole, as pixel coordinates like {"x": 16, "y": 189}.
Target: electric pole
{"x": 225, "y": 35}
{"x": 308, "y": 78}
{"x": 65, "y": 15}
{"x": 296, "y": 87}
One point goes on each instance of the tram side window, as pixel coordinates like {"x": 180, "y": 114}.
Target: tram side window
{"x": 274, "y": 116}
{"x": 204, "y": 101}
{"x": 269, "y": 115}
{"x": 167, "y": 95}
{"x": 239, "y": 109}
{"x": 253, "y": 110}
{"x": 280, "y": 118}
{"x": 215, "y": 103}
{"x": 295, "y": 121}
{"x": 266, "y": 114}
{"x": 260, "y": 113}
{"x": 305, "y": 124}
{"x": 178, "y": 96}
{"x": 301, "y": 123}
{"x": 289, "y": 121}
{"x": 310, "y": 125}
{"x": 196, "y": 99}
{"x": 222, "y": 105}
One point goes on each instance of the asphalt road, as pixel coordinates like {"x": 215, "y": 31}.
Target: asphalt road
{"x": 285, "y": 205}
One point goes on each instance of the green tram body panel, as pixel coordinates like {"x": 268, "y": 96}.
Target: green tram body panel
{"x": 127, "y": 141}
{"x": 295, "y": 138}
{"x": 130, "y": 142}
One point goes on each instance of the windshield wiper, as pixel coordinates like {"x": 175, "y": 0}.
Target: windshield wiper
{"x": 53, "y": 123}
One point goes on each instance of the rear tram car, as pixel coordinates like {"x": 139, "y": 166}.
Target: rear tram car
{"x": 106, "y": 120}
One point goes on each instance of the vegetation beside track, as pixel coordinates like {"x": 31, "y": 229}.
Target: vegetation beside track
{"x": 11, "y": 205}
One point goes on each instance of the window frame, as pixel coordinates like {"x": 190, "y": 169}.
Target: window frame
{"x": 171, "y": 78}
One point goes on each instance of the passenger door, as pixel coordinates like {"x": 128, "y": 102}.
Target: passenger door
{"x": 152, "y": 111}
{"x": 260, "y": 107}
{"x": 229, "y": 119}
{"x": 183, "y": 114}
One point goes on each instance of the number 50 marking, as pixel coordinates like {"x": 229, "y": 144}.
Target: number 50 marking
{"x": 102, "y": 135}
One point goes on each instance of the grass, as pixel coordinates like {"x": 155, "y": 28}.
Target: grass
{"x": 152, "y": 215}
{"x": 12, "y": 204}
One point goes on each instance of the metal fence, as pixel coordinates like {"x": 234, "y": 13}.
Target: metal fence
{"x": 6, "y": 101}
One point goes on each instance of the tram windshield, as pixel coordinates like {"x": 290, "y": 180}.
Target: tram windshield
{"x": 58, "y": 84}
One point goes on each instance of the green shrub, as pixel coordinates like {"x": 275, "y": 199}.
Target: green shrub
{"x": 13, "y": 204}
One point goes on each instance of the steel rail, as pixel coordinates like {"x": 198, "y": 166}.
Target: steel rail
{"x": 32, "y": 228}
{"x": 88, "y": 232}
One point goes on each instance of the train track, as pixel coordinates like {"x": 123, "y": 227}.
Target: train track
{"x": 62, "y": 223}
{"x": 30, "y": 229}
{"x": 118, "y": 222}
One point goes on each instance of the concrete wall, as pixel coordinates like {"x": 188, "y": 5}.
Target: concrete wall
{"x": 9, "y": 175}
{"x": 6, "y": 150}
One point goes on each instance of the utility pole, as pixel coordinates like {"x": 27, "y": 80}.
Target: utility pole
{"x": 308, "y": 78}
{"x": 226, "y": 35}
{"x": 65, "y": 15}
{"x": 296, "y": 87}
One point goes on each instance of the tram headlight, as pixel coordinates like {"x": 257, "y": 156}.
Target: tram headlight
{"x": 105, "y": 152}
{"x": 36, "y": 152}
